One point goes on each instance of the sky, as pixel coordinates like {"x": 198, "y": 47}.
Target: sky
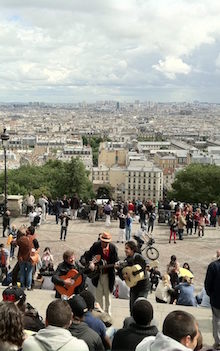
{"x": 89, "y": 50}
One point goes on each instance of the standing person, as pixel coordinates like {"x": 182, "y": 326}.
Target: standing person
{"x": 122, "y": 222}
{"x": 201, "y": 226}
{"x": 6, "y": 222}
{"x": 65, "y": 204}
{"x": 196, "y": 219}
{"x": 181, "y": 225}
{"x": 128, "y": 226}
{"x": 64, "y": 221}
{"x": 105, "y": 279}
{"x": 57, "y": 209}
{"x": 43, "y": 202}
{"x": 24, "y": 259}
{"x": 142, "y": 212}
{"x": 107, "y": 210}
{"x": 13, "y": 233}
{"x": 189, "y": 223}
{"x": 173, "y": 228}
{"x": 30, "y": 201}
{"x": 93, "y": 211}
{"x": 63, "y": 268}
{"x": 212, "y": 287}
{"x": 142, "y": 287}
{"x": 74, "y": 205}
{"x": 151, "y": 220}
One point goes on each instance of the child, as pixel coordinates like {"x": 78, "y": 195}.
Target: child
{"x": 122, "y": 219}
{"x": 13, "y": 233}
{"x": 128, "y": 225}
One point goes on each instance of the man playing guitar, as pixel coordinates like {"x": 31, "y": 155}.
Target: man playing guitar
{"x": 105, "y": 279}
{"x": 133, "y": 258}
{"x": 59, "y": 278}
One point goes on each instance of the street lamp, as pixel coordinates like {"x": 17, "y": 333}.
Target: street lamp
{"x": 5, "y": 138}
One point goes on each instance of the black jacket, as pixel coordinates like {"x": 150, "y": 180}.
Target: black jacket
{"x": 96, "y": 249}
{"x": 142, "y": 284}
{"x": 212, "y": 283}
{"x": 62, "y": 269}
{"x": 84, "y": 332}
{"x": 128, "y": 338}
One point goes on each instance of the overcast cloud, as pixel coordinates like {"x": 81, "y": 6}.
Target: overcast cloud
{"x": 75, "y": 50}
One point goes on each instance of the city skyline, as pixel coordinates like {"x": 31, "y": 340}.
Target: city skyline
{"x": 66, "y": 52}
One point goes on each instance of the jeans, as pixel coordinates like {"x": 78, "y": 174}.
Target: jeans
{"x": 26, "y": 269}
{"x": 63, "y": 233}
{"x": 128, "y": 233}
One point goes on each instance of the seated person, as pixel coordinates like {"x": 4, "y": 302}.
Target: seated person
{"x": 164, "y": 290}
{"x": 186, "y": 293}
{"x": 32, "y": 320}
{"x": 93, "y": 322}
{"x": 203, "y": 299}
{"x": 79, "y": 328}
{"x": 63, "y": 268}
{"x": 56, "y": 335}
{"x": 129, "y": 338}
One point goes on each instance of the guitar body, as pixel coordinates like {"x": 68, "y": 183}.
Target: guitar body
{"x": 69, "y": 291}
{"x": 132, "y": 275}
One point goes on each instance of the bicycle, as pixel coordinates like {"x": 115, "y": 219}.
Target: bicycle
{"x": 145, "y": 245}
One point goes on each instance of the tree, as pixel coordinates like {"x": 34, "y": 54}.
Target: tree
{"x": 54, "y": 179}
{"x": 197, "y": 183}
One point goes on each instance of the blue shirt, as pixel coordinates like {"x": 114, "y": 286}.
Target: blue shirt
{"x": 95, "y": 324}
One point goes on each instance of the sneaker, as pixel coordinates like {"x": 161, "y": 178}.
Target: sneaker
{"x": 29, "y": 288}
{"x": 169, "y": 241}
{"x": 174, "y": 242}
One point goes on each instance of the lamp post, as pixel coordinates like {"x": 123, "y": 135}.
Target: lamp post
{"x": 5, "y": 138}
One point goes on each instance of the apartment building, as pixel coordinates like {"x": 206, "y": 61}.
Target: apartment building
{"x": 144, "y": 182}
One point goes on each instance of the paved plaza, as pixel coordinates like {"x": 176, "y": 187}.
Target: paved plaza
{"x": 198, "y": 252}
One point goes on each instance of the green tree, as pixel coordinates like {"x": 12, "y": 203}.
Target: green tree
{"x": 54, "y": 179}
{"x": 197, "y": 183}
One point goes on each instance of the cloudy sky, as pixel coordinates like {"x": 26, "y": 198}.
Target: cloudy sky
{"x": 75, "y": 50}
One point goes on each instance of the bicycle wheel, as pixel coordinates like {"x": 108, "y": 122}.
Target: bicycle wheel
{"x": 152, "y": 253}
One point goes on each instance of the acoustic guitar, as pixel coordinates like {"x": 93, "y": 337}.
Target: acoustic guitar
{"x": 132, "y": 275}
{"x": 76, "y": 278}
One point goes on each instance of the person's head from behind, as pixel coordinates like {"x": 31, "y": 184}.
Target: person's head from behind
{"x": 89, "y": 299}
{"x": 173, "y": 258}
{"x": 142, "y": 311}
{"x": 166, "y": 279}
{"x": 59, "y": 314}
{"x": 2, "y": 247}
{"x": 11, "y": 325}
{"x": 182, "y": 327}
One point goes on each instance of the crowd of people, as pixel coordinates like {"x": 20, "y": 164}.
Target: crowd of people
{"x": 81, "y": 284}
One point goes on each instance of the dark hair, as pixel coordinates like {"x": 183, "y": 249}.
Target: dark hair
{"x": 186, "y": 264}
{"x": 2, "y": 246}
{"x": 31, "y": 230}
{"x": 89, "y": 299}
{"x": 179, "y": 324}
{"x": 59, "y": 314}
{"x": 173, "y": 258}
{"x": 142, "y": 311}
{"x": 47, "y": 249}
{"x": 67, "y": 254}
{"x": 132, "y": 245}
{"x": 11, "y": 324}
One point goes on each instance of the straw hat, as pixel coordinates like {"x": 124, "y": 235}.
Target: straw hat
{"x": 106, "y": 237}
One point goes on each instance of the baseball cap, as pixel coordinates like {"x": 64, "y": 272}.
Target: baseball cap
{"x": 78, "y": 305}
{"x": 13, "y": 294}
